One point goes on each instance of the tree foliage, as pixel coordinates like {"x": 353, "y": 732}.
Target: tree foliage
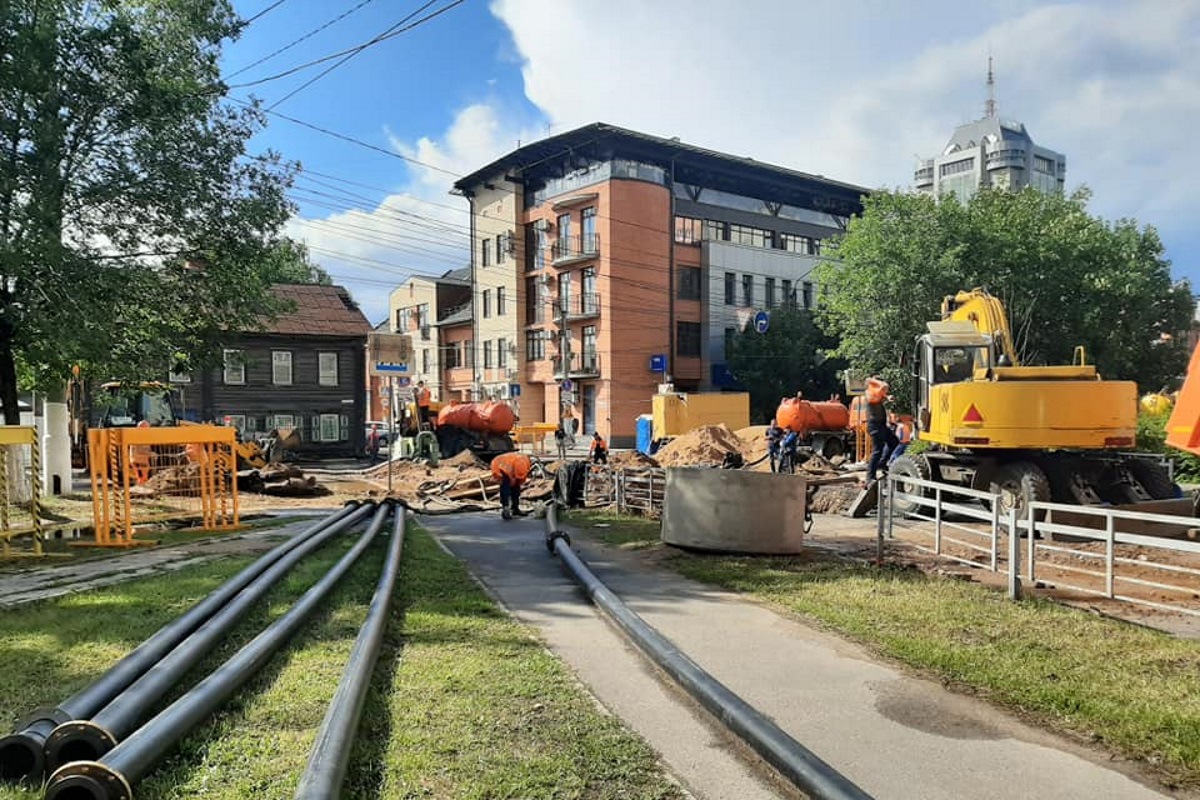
{"x": 133, "y": 223}
{"x": 1066, "y": 277}
{"x": 791, "y": 356}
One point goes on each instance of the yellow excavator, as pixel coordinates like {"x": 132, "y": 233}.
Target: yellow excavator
{"x": 1026, "y": 433}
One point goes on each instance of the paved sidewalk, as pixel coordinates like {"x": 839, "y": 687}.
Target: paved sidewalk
{"x": 898, "y": 737}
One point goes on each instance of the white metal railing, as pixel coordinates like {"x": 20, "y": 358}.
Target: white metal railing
{"x": 1054, "y": 529}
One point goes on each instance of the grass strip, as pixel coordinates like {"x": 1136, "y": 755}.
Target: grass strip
{"x": 465, "y": 702}
{"x": 1134, "y": 690}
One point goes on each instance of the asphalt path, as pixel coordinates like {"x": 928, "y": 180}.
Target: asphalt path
{"x": 896, "y": 736}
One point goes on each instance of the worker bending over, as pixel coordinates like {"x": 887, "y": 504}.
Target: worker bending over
{"x": 599, "y": 449}
{"x": 511, "y": 470}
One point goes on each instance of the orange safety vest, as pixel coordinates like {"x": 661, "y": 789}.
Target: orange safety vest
{"x": 598, "y": 444}
{"x": 423, "y": 397}
{"x": 515, "y": 465}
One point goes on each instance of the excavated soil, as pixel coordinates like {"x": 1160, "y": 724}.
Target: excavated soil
{"x": 703, "y": 446}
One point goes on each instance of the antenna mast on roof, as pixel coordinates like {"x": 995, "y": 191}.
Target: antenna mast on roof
{"x": 989, "y": 108}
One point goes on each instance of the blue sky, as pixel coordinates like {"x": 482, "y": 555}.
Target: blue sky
{"x": 852, "y": 91}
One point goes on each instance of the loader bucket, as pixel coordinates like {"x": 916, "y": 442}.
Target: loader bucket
{"x": 287, "y": 438}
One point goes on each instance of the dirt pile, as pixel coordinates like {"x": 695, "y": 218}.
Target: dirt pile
{"x": 754, "y": 447}
{"x": 630, "y": 458}
{"x": 703, "y": 446}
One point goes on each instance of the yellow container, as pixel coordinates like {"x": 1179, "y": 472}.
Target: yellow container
{"x": 676, "y": 414}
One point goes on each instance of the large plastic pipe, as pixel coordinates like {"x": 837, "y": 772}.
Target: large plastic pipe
{"x": 799, "y": 765}
{"x": 330, "y": 755}
{"x": 112, "y": 777}
{"x": 88, "y": 739}
{"x": 21, "y": 752}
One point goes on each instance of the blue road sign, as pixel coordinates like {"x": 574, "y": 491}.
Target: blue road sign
{"x": 514, "y": 390}
{"x": 658, "y": 363}
{"x": 762, "y": 321}
{"x": 567, "y": 385}
{"x": 390, "y": 366}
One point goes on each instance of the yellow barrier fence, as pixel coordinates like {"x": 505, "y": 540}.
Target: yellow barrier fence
{"x": 20, "y": 488}
{"x": 146, "y": 475}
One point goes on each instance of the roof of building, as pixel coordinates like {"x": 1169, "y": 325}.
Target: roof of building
{"x": 318, "y": 311}
{"x": 461, "y": 274}
{"x": 691, "y": 164}
{"x": 991, "y": 131}
{"x": 456, "y": 316}
{"x": 383, "y": 327}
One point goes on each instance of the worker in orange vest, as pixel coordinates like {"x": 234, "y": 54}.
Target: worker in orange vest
{"x": 599, "y": 449}
{"x": 883, "y": 440}
{"x": 511, "y": 470}
{"x": 423, "y": 399}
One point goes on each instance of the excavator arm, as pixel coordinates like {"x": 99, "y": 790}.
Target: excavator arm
{"x": 987, "y": 314}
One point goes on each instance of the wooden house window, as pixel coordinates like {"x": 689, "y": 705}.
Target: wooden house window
{"x": 235, "y": 367}
{"x": 328, "y": 368}
{"x": 281, "y": 367}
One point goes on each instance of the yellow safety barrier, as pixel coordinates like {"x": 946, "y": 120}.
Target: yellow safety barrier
{"x": 144, "y": 475}
{"x": 20, "y": 488}
{"x": 534, "y": 434}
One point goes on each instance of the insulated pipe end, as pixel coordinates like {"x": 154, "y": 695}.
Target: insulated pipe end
{"x": 88, "y": 780}
{"x": 21, "y": 758}
{"x": 553, "y": 535}
{"x": 77, "y": 740}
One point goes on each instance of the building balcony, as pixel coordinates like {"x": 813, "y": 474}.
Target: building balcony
{"x": 998, "y": 159}
{"x": 586, "y": 306}
{"x": 583, "y": 365}
{"x": 569, "y": 250}
{"x": 923, "y": 178}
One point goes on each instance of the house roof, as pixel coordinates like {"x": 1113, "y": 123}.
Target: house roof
{"x": 691, "y": 164}
{"x": 461, "y": 274}
{"x": 456, "y": 316}
{"x": 318, "y": 311}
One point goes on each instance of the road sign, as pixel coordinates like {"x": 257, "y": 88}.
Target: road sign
{"x": 567, "y": 385}
{"x": 567, "y": 398}
{"x": 762, "y": 321}
{"x": 390, "y": 368}
{"x": 658, "y": 363}
{"x": 514, "y": 390}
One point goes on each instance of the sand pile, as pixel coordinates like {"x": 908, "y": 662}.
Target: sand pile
{"x": 630, "y": 458}
{"x": 754, "y": 447}
{"x": 703, "y": 446}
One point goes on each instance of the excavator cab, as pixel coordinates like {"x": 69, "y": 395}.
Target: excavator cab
{"x": 951, "y": 352}
{"x": 124, "y": 405}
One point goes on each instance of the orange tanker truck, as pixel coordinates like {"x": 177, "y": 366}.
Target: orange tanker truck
{"x": 823, "y": 426}
{"x": 482, "y": 428}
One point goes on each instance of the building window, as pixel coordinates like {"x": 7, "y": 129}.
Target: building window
{"x": 564, "y": 235}
{"x": 452, "y": 355}
{"x": 235, "y": 367}
{"x": 752, "y": 237}
{"x": 487, "y": 354}
{"x": 795, "y": 243}
{"x": 487, "y": 253}
{"x": 689, "y": 283}
{"x": 539, "y": 249}
{"x": 236, "y": 421}
{"x": 500, "y": 305}
{"x": 729, "y": 334}
{"x": 715, "y": 231}
{"x": 730, "y": 288}
{"x": 501, "y": 353}
{"x": 281, "y": 367}
{"x": 499, "y": 248}
{"x": 789, "y": 298}
{"x": 327, "y": 369}
{"x": 487, "y": 303}
{"x": 179, "y": 377}
{"x": 588, "y": 244}
{"x": 747, "y": 290}
{"x": 688, "y": 230}
{"x": 956, "y": 167}
{"x": 535, "y": 346}
{"x": 590, "y": 355}
{"x": 564, "y": 294}
{"x": 769, "y": 292}
{"x": 807, "y": 290}
{"x": 425, "y": 361}
{"x": 329, "y": 428}
{"x": 535, "y": 301}
{"x": 423, "y": 318}
{"x": 403, "y": 320}
{"x": 282, "y": 420}
{"x": 687, "y": 339}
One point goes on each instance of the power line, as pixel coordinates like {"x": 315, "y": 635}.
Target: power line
{"x": 265, "y": 11}
{"x": 380, "y": 37}
{"x": 350, "y": 50}
{"x": 295, "y": 42}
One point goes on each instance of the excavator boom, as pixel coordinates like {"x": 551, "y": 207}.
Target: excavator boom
{"x": 987, "y": 314}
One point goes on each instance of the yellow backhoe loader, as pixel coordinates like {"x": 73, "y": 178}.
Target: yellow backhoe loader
{"x": 1025, "y": 433}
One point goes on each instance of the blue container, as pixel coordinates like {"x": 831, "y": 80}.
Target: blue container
{"x": 645, "y": 433}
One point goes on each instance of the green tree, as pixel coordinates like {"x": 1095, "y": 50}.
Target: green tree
{"x": 290, "y": 262}
{"x": 1066, "y": 277}
{"x": 133, "y": 223}
{"x": 793, "y": 355}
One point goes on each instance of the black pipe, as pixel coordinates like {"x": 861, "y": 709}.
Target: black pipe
{"x": 803, "y": 768}
{"x": 21, "y": 752}
{"x": 322, "y": 778}
{"x": 88, "y": 739}
{"x": 112, "y": 776}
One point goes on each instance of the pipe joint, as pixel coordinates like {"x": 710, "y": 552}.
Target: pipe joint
{"x": 554, "y": 535}
{"x": 90, "y": 780}
{"x": 77, "y": 740}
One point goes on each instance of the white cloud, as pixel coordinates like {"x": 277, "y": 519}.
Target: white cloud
{"x": 371, "y": 247}
{"x": 856, "y": 91}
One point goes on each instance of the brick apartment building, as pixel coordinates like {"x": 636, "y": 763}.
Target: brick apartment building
{"x": 600, "y": 248}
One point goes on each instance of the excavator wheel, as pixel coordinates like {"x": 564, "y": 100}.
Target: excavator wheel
{"x": 916, "y": 466}
{"x": 1019, "y": 483}
{"x": 832, "y": 447}
{"x": 1153, "y": 478}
